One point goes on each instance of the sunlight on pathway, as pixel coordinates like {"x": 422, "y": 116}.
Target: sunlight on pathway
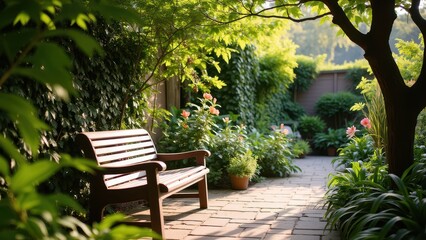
{"x": 278, "y": 208}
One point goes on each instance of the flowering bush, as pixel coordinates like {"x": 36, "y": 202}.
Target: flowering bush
{"x": 190, "y": 130}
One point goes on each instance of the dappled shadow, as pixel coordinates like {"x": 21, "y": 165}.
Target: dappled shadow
{"x": 276, "y": 208}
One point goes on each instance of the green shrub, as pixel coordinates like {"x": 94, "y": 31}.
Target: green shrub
{"x": 335, "y": 138}
{"x": 190, "y": 130}
{"x": 309, "y": 126}
{"x": 334, "y": 108}
{"x": 228, "y": 143}
{"x": 364, "y": 206}
{"x": 356, "y": 74}
{"x": 301, "y": 148}
{"x": 358, "y": 149}
{"x": 243, "y": 166}
{"x": 274, "y": 155}
{"x": 306, "y": 72}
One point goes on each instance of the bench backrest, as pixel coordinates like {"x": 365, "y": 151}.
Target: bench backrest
{"x": 117, "y": 149}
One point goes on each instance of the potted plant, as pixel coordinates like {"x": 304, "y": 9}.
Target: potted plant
{"x": 301, "y": 148}
{"x": 330, "y": 140}
{"x": 241, "y": 169}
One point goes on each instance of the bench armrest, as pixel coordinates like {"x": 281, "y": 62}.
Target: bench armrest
{"x": 199, "y": 155}
{"x": 146, "y": 166}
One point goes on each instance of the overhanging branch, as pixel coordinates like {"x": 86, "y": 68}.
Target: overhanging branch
{"x": 341, "y": 19}
{"x": 261, "y": 13}
{"x": 417, "y": 18}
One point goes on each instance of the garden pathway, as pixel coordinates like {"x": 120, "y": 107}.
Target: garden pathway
{"x": 276, "y": 208}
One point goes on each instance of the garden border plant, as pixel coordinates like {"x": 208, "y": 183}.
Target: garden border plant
{"x": 28, "y": 29}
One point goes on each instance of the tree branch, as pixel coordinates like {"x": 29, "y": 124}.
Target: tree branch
{"x": 340, "y": 18}
{"x": 250, "y": 13}
{"x": 417, "y": 18}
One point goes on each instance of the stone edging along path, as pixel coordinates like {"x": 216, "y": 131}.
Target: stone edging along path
{"x": 276, "y": 208}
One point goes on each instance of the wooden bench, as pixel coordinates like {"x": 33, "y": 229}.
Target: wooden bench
{"x": 131, "y": 169}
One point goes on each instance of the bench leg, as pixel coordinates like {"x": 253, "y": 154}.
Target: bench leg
{"x": 156, "y": 214}
{"x": 203, "y": 193}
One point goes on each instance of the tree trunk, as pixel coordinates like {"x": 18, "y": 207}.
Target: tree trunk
{"x": 401, "y": 121}
{"x": 400, "y": 103}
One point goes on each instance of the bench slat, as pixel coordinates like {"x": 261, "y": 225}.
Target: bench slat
{"x": 130, "y": 161}
{"x": 125, "y": 155}
{"x": 122, "y": 148}
{"x": 166, "y": 178}
{"x": 115, "y": 133}
{"x": 113, "y": 180}
{"x": 119, "y": 141}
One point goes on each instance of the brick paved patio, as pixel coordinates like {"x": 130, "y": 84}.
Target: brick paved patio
{"x": 278, "y": 208}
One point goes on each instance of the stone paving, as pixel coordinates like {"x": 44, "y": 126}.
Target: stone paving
{"x": 274, "y": 209}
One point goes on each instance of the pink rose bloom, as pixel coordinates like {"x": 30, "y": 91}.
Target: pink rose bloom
{"x": 207, "y": 96}
{"x": 213, "y": 110}
{"x": 350, "y": 131}
{"x": 366, "y": 123}
{"x": 185, "y": 114}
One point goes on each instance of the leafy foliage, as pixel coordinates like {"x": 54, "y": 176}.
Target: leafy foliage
{"x": 373, "y": 210}
{"x": 334, "y": 108}
{"x": 374, "y": 110}
{"x": 243, "y": 166}
{"x": 228, "y": 143}
{"x": 309, "y": 126}
{"x": 358, "y": 149}
{"x": 30, "y": 30}
{"x": 301, "y": 148}
{"x": 186, "y": 133}
{"x": 274, "y": 154}
{"x": 331, "y": 138}
{"x": 306, "y": 72}
{"x": 356, "y": 74}
{"x": 240, "y": 76}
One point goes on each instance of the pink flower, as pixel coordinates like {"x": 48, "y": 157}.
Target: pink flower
{"x": 225, "y": 119}
{"x": 366, "y": 123}
{"x": 350, "y": 131}
{"x": 213, "y": 110}
{"x": 184, "y": 125}
{"x": 207, "y": 96}
{"x": 185, "y": 114}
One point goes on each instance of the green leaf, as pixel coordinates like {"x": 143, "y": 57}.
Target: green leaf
{"x": 109, "y": 9}
{"x": 23, "y": 18}
{"x": 11, "y": 150}
{"x": 4, "y": 167}
{"x": 32, "y": 174}
{"x": 82, "y": 164}
{"x": 132, "y": 232}
{"x": 12, "y": 43}
{"x": 84, "y": 42}
{"x": 24, "y": 115}
{"x": 66, "y": 201}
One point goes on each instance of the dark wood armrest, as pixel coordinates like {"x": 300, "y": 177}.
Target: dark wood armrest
{"x": 146, "y": 166}
{"x": 199, "y": 156}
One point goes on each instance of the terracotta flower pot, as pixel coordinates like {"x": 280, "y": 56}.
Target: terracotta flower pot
{"x": 332, "y": 151}
{"x": 239, "y": 183}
